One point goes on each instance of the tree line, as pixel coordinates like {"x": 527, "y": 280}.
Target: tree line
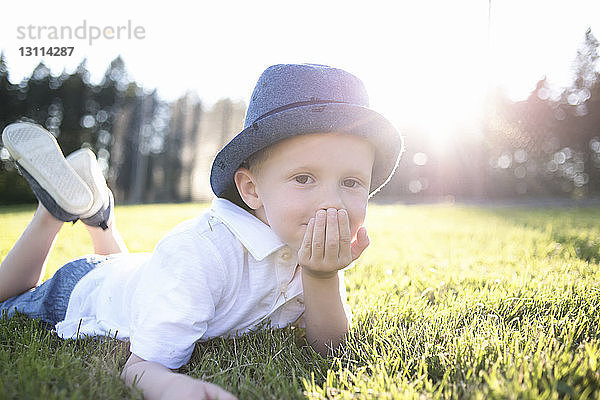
{"x": 157, "y": 151}
{"x": 150, "y": 150}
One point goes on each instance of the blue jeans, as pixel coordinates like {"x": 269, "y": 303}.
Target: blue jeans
{"x": 48, "y": 302}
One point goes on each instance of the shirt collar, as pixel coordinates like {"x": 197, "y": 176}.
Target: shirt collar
{"x": 255, "y": 235}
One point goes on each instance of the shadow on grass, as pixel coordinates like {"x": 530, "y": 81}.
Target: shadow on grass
{"x": 575, "y": 231}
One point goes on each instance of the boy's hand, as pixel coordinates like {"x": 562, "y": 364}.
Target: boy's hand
{"x": 157, "y": 382}
{"x": 327, "y": 247}
{"x": 196, "y": 389}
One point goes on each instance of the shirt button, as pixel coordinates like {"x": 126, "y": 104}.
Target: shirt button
{"x": 285, "y": 255}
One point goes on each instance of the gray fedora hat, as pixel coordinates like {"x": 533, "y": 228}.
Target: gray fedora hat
{"x": 298, "y": 99}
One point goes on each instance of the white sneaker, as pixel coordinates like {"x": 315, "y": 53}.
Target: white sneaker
{"x": 84, "y": 162}
{"x": 54, "y": 182}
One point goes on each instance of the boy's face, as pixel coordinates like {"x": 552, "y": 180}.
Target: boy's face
{"x": 308, "y": 173}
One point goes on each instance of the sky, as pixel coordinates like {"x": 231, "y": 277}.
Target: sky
{"x": 425, "y": 63}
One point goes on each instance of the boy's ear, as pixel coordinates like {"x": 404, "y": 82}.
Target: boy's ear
{"x": 246, "y": 186}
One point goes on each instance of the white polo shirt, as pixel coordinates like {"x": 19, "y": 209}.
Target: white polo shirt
{"x": 223, "y": 273}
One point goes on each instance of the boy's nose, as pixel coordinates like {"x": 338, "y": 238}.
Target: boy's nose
{"x": 331, "y": 199}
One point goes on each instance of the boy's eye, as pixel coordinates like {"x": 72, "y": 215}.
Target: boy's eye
{"x": 303, "y": 179}
{"x": 350, "y": 183}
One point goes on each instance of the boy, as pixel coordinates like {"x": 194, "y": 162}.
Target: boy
{"x": 292, "y": 191}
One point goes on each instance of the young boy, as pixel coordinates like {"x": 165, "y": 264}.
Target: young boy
{"x": 292, "y": 191}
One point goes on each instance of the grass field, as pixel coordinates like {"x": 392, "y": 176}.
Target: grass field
{"x": 448, "y": 302}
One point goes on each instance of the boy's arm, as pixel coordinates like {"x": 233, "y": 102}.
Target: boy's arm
{"x": 324, "y": 315}
{"x": 327, "y": 248}
{"x": 158, "y": 382}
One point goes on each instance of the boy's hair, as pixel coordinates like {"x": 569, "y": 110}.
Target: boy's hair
{"x": 255, "y": 161}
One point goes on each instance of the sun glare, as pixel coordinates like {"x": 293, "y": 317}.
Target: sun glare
{"x": 441, "y": 87}
{"x": 443, "y": 105}
{"x": 461, "y": 58}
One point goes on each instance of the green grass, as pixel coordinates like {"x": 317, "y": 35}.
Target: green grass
{"x": 448, "y": 301}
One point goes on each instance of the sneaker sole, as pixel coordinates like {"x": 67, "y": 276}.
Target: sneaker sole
{"x": 38, "y": 153}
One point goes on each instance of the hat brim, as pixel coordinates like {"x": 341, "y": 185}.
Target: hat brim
{"x": 322, "y": 118}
